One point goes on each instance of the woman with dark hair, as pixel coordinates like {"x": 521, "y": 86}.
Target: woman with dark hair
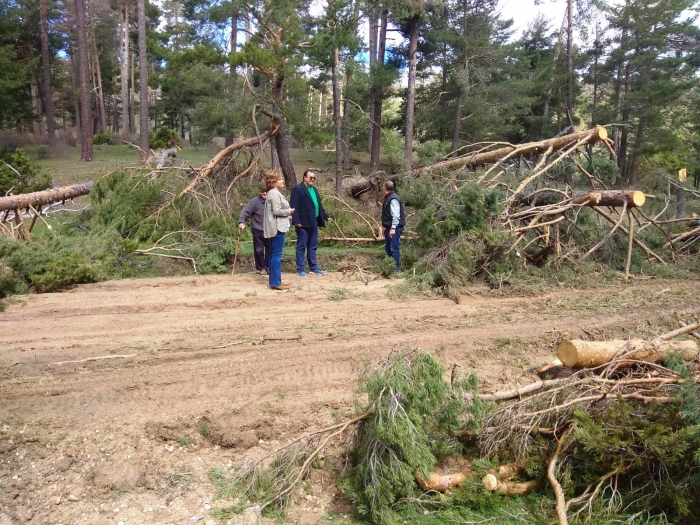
{"x": 276, "y": 225}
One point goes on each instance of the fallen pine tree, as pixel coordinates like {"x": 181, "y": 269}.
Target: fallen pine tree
{"x": 623, "y": 435}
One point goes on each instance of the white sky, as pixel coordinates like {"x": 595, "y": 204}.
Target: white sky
{"x": 524, "y": 11}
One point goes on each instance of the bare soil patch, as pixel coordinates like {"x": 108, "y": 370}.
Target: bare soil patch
{"x": 119, "y": 397}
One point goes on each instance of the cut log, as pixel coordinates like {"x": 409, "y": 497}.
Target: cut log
{"x": 508, "y": 470}
{"x": 441, "y": 482}
{"x": 40, "y": 198}
{"x": 576, "y": 353}
{"x": 532, "y": 148}
{"x": 611, "y": 198}
{"x": 510, "y": 488}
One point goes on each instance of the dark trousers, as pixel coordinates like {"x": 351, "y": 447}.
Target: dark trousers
{"x": 392, "y": 245}
{"x": 307, "y": 241}
{"x": 277, "y": 243}
{"x": 262, "y": 248}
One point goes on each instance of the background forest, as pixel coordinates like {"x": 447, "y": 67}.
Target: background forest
{"x": 457, "y": 75}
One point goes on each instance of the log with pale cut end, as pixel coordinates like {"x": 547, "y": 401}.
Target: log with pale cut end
{"x": 510, "y": 488}
{"x": 576, "y": 353}
{"x": 611, "y": 198}
{"x": 40, "y": 198}
{"x": 441, "y": 482}
{"x": 590, "y": 136}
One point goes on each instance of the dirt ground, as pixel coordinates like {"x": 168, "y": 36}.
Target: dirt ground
{"x": 118, "y": 398}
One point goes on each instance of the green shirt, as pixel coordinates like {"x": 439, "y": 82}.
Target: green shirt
{"x": 313, "y": 192}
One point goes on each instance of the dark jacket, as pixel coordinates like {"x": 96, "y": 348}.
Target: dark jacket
{"x": 304, "y": 209}
{"x": 386, "y": 211}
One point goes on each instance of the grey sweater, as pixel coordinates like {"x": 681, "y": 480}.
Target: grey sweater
{"x": 277, "y": 212}
{"x": 255, "y": 209}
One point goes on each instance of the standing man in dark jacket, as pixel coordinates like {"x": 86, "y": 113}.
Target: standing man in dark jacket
{"x": 308, "y": 216}
{"x": 393, "y": 221}
{"x": 255, "y": 209}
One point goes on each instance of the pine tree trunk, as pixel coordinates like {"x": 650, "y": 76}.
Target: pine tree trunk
{"x": 570, "y": 64}
{"x": 411, "y": 98}
{"x": 346, "y": 114}
{"x": 143, "y": 83}
{"x": 36, "y": 108}
{"x": 125, "y": 69}
{"x": 99, "y": 94}
{"x": 275, "y": 162}
{"x": 48, "y": 91}
{"x": 378, "y": 98}
{"x": 74, "y": 90}
{"x": 132, "y": 95}
{"x": 337, "y": 122}
{"x": 373, "y": 28}
{"x": 622, "y": 155}
{"x": 84, "y": 68}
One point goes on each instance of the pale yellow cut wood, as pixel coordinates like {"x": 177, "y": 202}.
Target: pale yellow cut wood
{"x": 510, "y": 488}
{"x": 576, "y": 353}
{"x": 441, "y": 482}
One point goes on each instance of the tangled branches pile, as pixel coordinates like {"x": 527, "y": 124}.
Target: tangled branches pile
{"x": 627, "y": 424}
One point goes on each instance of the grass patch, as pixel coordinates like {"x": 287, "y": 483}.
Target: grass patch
{"x": 340, "y": 294}
{"x": 185, "y": 441}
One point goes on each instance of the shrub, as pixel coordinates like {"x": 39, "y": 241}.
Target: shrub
{"x": 20, "y": 174}
{"x": 101, "y": 137}
{"x": 163, "y": 138}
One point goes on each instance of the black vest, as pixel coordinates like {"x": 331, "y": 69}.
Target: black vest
{"x": 386, "y": 211}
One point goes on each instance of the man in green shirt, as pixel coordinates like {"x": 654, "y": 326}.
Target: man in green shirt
{"x": 308, "y": 216}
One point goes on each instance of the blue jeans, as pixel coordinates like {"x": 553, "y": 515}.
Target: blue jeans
{"x": 277, "y": 243}
{"x": 392, "y": 245}
{"x": 307, "y": 241}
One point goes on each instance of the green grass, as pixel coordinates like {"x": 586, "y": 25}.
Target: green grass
{"x": 66, "y": 168}
{"x": 185, "y": 441}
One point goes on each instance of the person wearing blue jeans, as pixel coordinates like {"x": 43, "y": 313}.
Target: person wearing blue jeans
{"x": 308, "y": 216}
{"x": 393, "y": 222}
{"x": 276, "y": 225}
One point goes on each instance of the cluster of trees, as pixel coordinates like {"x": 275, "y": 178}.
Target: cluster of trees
{"x": 457, "y": 76}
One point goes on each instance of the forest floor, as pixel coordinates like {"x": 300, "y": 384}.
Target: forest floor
{"x": 118, "y": 398}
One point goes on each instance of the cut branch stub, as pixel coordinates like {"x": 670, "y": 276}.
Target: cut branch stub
{"x": 576, "y": 353}
{"x": 40, "y": 198}
{"x": 594, "y": 135}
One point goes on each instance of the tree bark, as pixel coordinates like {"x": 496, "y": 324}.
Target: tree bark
{"x": 570, "y": 63}
{"x": 143, "y": 83}
{"x": 36, "y": 108}
{"x": 373, "y": 28}
{"x": 84, "y": 66}
{"x": 124, "y": 45}
{"x": 576, "y": 353}
{"x": 532, "y": 148}
{"x": 378, "y": 98}
{"x": 346, "y": 114}
{"x": 612, "y": 198}
{"x": 48, "y": 91}
{"x": 411, "y": 97}
{"x": 41, "y": 198}
{"x": 338, "y": 124}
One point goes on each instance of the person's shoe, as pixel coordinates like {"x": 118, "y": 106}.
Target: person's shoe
{"x": 281, "y": 287}
{"x": 318, "y": 272}
{"x": 260, "y": 272}
{"x": 301, "y": 273}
